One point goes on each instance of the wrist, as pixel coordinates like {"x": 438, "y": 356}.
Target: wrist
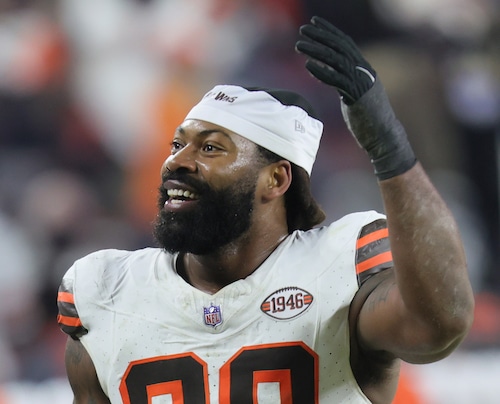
{"x": 377, "y": 130}
{"x": 394, "y": 162}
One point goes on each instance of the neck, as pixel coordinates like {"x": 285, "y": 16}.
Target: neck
{"x": 235, "y": 261}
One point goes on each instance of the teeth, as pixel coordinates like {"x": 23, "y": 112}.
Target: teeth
{"x": 172, "y": 193}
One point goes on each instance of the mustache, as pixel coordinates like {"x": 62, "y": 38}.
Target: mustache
{"x": 198, "y": 186}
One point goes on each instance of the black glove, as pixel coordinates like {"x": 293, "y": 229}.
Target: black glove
{"x": 335, "y": 60}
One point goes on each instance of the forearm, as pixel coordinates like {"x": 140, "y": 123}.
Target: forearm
{"x": 431, "y": 269}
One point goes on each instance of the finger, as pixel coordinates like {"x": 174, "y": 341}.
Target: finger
{"x": 326, "y": 25}
{"x": 329, "y": 76}
{"x": 321, "y": 22}
{"x": 327, "y": 56}
{"x": 335, "y": 34}
{"x": 325, "y": 38}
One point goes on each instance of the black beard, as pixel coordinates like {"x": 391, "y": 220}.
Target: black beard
{"x": 220, "y": 217}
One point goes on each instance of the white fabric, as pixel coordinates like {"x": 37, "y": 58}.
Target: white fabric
{"x": 286, "y": 130}
{"x": 137, "y": 309}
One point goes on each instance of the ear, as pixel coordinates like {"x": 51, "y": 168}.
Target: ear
{"x": 278, "y": 177}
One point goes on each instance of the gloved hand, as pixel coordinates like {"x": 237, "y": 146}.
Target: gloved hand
{"x": 334, "y": 59}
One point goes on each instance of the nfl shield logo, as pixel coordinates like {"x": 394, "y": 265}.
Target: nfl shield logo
{"x": 212, "y": 315}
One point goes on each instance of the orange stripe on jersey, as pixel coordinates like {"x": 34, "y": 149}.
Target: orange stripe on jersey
{"x": 281, "y": 376}
{"x": 381, "y": 258}
{"x": 66, "y": 297}
{"x": 174, "y": 388}
{"x": 69, "y": 321}
{"x": 371, "y": 237}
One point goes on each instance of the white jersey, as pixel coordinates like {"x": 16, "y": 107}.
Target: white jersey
{"x": 279, "y": 335}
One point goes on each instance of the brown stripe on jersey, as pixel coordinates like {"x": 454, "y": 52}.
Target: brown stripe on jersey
{"x": 373, "y": 250}
{"x": 68, "y": 318}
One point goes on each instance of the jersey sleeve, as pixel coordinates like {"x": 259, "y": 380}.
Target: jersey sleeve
{"x": 373, "y": 250}
{"x": 68, "y": 318}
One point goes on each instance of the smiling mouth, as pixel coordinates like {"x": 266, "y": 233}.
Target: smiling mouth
{"x": 181, "y": 195}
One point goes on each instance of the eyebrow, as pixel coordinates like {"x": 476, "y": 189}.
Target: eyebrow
{"x": 206, "y": 132}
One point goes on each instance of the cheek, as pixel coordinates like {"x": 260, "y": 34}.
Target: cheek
{"x": 222, "y": 173}
{"x": 220, "y": 177}
{"x": 245, "y": 159}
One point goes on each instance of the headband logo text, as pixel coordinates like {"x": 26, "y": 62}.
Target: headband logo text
{"x": 220, "y": 97}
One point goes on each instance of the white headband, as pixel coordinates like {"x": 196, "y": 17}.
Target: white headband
{"x": 286, "y": 130}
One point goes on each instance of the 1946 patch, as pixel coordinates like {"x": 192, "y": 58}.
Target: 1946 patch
{"x": 287, "y": 303}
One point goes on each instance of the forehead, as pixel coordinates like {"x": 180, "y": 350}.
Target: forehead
{"x": 199, "y": 128}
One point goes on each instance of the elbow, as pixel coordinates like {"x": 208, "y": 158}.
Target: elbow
{"x": 454, "y": 313}
{"x": 458, "y": 328}
{"x": 462, "y": 318}
{"x": 441, "y": 339}
{"x": 451, "y": 330}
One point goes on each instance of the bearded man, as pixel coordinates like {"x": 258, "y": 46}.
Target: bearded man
{"x": 247, "y": 299}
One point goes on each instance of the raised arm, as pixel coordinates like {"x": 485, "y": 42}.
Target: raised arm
{"x": 82, "y": 375}
{"x": 422, "y": 309}
{"x": 431, "y": 300}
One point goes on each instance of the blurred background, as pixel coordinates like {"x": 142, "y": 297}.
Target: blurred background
{"x": 92, "y": 90}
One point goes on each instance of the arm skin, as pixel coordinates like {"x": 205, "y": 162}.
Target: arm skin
{"x": 424, "y": 309}
{"x": 82, "y": 375}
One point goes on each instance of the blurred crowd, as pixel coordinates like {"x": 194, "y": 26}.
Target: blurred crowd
{"x": 92, "y": 90}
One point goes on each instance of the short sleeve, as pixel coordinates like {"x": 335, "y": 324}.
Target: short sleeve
{"x": 68, "y": 318}
{"x": 373, "y": 250}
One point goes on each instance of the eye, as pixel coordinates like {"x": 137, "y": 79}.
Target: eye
{"x": 175, "y": 146}
{"x": 208, "y": 147}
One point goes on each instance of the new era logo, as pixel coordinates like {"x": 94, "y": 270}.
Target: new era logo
{"x": 299, "y": 127}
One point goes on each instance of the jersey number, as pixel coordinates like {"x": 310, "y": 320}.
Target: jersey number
{"x": 293, "y": 366}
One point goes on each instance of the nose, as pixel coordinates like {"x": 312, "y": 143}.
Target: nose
{"x": 183, "y": 158}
